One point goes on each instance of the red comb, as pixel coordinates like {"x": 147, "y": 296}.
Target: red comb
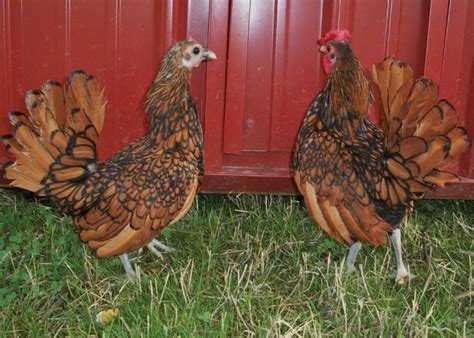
{"x": 338, "y": 35}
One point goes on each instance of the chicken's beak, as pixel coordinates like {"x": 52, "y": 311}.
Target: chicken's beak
{"x": 323, "y": 49}
{"x": 209, "y": 54}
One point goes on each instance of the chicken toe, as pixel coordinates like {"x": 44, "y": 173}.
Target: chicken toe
{"x": 158, "y": 248}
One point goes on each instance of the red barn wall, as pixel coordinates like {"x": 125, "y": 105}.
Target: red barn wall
{"x": 252, "y": 100}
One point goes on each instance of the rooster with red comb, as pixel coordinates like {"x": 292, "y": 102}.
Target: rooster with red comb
{"x": 359, "y": 181}
{"x": 338, "y": 35}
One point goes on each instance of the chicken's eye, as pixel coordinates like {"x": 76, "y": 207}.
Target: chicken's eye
{"x": 196, "y": 50}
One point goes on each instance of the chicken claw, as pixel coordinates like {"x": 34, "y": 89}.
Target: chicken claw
{"x": 401, "y": 275}
{"x": 155, "y": 246}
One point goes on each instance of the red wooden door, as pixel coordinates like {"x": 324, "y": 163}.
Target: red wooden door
{"x": 271, "y": 75}
{"x": 273, "y": 71}
{"x": 251, "y": 100}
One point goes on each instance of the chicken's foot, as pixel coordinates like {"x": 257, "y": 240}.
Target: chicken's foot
{"x": 127, "y": 266}
{"x": 352, "y": 256}
{"x": 401, "y": 273}
{"x": 155, "y": 247}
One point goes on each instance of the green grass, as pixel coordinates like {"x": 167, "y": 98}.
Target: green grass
{"x": 242, "y": 266}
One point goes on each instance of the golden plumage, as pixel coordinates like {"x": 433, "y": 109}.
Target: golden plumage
{"x": 359, "y": 180}
{"x": 122, "y": 204}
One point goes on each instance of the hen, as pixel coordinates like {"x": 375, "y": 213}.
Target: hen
{"x": 122, "y": 204}
{"x": 359, "y": 181}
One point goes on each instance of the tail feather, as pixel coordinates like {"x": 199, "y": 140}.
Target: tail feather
{"x": 33, "y": 146}
{"x": 18, "y": 118}
{"x": 27, "y": 174}
{"x": 40, "y": 115}
{"x": 96, "y": 103}
{"x": 437, "y": 152}
{"x": 460, "y": 142}
{"x": 43, "y": 120}
{"x": 395, "y": 80}
{"x": 439, "y": 177}
{"x": 11, "y": 144}
{"x": 423, "y": 96}
{"x": 437, "y": 121}
{"x": 421, "y": 133}
{"x": 410, "y": 147}
{"x": 84, "y": 102}
{"x": 24, "y": 180}
{"x": 55, "y": 145}
{"x": 54, "y": 93}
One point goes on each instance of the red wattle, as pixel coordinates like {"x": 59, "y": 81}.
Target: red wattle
{"x": 326, "y": 64}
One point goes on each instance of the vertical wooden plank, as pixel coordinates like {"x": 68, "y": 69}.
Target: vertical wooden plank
{"x": 172, "y": 18}
{"x": 457, "y": 77}
{"x": 109, "y": 39}
{"x": 453, "y": 53}
{"x": 216, "y": 77}
{"x": 284, "y": 14}
{"x": 180, "y": 20}
{"x": 438, "y": 19}
{"x": 92, "y": 34}
{"x": 198, "y": 28}
{"x": 17, "y": 90}
{"x": 467, "y": 88}
{"x": 258, "y": 76}
{"x": 343, "y": 17}
{"x": 392, "y": 32}
{"x": 136, "y": 65}
{"x": 296, "y": 70}
{"x": 5, "y": 62}
{"x": 61, "y": 30}
{"x": 160, "y": 25}
{"x": 5, "y": 75}
{"x": 369, "y": 30}
{"x": 38, "y": 43}
{"x": 413, "y": 33}
{"x": 235, "y": 105}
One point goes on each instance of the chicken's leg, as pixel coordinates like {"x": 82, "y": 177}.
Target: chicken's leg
{"x": 128, "y": 267}
{"x": 352, "y": 256}
{"x": 155, "y": 247}
{"x": 402, "y": 272}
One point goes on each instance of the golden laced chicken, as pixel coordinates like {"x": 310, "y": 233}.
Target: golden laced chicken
{"x": 359, "y": 181}
{"x": 122, "y": 204}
